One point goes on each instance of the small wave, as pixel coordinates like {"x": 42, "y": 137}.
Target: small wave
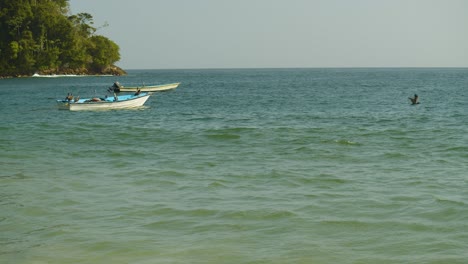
{"x": 260, "y": 214}
{"x": 170, "y": 173}
{"x": 303, "y": 149}
{"x": 400, "y": 198}
{"x": 200, "y": 212}
{"x": 394, "y": 155}
{"x": 322, "y": 178}
{"x": 231, "y": 130}
{"x": 343, "y": 142}
{"x": 223, "y": 136}
{"x": 203, "y": 118}
{"x": 347, "y": 142}
{"x": 450, "y": 201}
{"x": 347, "y": 223}
{"x": 37, "y": 75}
{"x": 182, "y": 213}
{"x": 19, "y": 176}
{"x": 216, "y": 184}
{"x": 229, "y": 133}
{"x": 462, "y": 149}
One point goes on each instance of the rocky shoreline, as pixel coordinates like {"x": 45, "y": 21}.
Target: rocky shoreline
{"x": 110, "y": 70}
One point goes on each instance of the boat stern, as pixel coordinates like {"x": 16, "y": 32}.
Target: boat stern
{"x": 63, "y": 105}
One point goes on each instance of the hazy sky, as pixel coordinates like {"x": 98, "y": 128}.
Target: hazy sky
{"x": 174, "y": 34}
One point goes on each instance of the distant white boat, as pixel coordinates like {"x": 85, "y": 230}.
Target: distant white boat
{"x": 147, "y": 88}
{"x": 117, "y": 102}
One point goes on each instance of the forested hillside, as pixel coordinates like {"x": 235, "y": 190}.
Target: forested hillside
{"x": 42, "y": 36}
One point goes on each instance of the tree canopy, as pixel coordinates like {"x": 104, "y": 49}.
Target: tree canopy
{"x": 42, "y": 36}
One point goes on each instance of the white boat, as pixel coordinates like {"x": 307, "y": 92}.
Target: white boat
{"x": 115, "y": 102}
{"x": 149, "y": 88}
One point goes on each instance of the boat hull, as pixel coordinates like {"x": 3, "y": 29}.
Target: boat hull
{"x": 123, "y": 102}
{"x": 151, "y": 88}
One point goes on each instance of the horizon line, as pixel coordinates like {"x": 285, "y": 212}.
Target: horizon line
{"x": 279, "y": 68}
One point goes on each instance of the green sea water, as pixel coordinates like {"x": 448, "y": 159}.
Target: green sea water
{"x": 238, "y": 166}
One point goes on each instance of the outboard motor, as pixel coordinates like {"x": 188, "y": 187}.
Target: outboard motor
{"x": 116, "y": 87}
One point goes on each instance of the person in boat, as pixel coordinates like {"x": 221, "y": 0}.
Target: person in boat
{"x": 138, "y": 92}
{"x": 414, "y": 100}
{"x": 94, "y": 99}
{"x": 69, "y": 97}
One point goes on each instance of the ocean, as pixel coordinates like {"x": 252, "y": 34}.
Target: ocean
{"x": 239, "y": 166}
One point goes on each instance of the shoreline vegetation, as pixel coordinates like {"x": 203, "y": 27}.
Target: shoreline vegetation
{"x": 43, "y": 37}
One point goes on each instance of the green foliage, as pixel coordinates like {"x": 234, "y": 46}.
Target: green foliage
{"x": 103, "y": 51}
{"x": 14, "y": 49}
{"x": 40, "y": 35}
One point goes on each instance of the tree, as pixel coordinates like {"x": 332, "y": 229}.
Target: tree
{"x": 104, "y": 52}
{"x": 14, "y": 19}
{"x": 40, "y": 35}
{"x": 82, "y": 23}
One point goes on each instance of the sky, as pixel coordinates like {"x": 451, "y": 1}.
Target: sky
{"x": 192, "y": 34}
